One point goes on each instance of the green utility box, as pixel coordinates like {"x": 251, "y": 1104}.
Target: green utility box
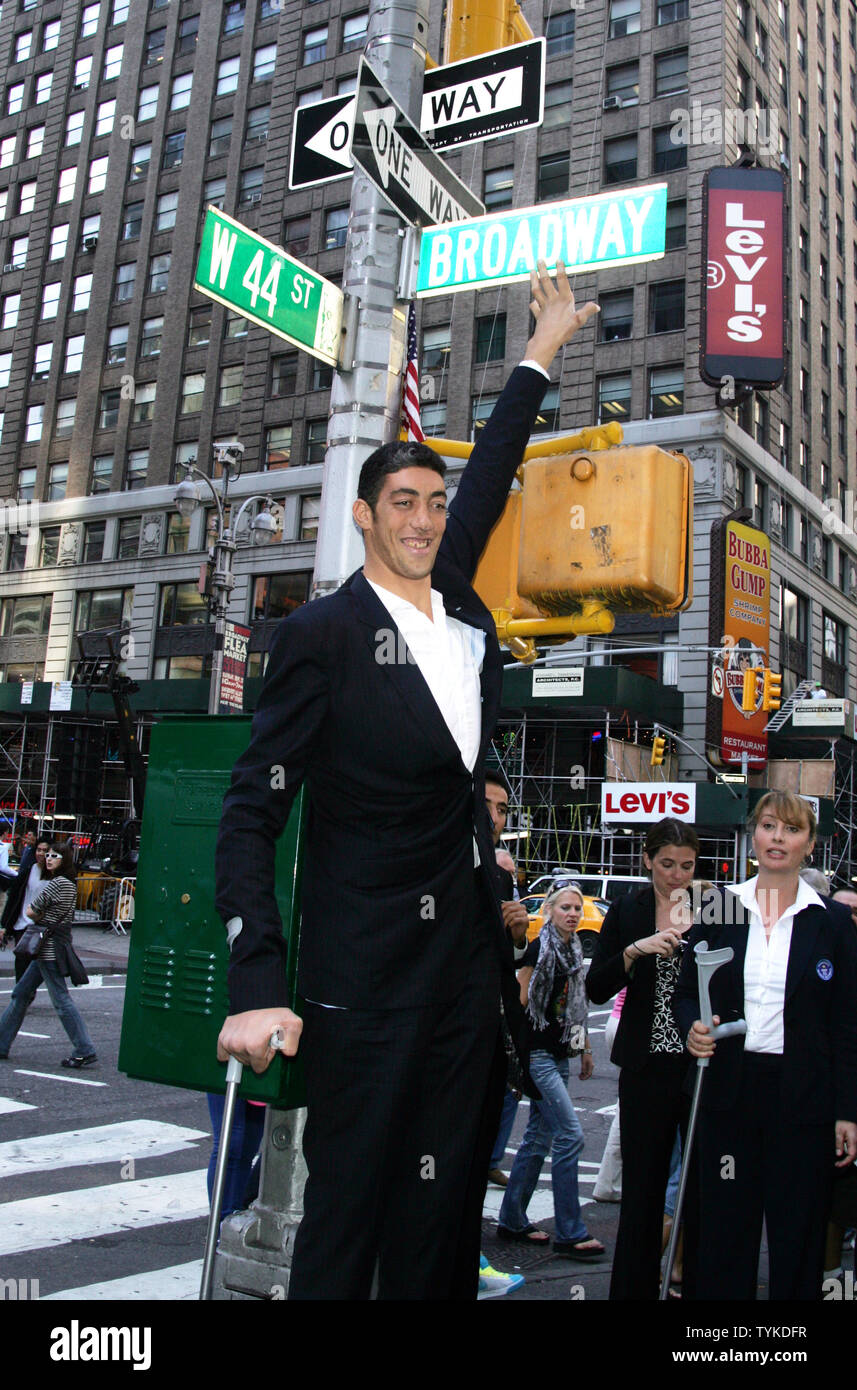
{"x": 176, "y": 997}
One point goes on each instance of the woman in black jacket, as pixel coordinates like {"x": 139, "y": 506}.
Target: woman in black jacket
{"x": 53, "y": 909}
{"x": 639, "y": 948}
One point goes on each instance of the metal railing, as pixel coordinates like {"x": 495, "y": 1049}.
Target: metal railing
{"x": 105, "y": 901}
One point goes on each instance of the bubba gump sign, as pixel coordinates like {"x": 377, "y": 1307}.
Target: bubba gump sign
{"x": 741, "y": 610}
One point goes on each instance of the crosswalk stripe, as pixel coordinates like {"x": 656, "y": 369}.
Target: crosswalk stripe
{"x": 52, "y": 1076}
{"x": 9, "y": 1107}
{"x": 37, "y": 1223}
{"x": 137, "y": 1139}
{"x": 540, "y": 1207}
{"x": 174, "y": 1283}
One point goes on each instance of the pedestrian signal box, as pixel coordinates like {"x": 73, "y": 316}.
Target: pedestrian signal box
{"x": 176, "y": 997}
{"x": 609, "y": 529}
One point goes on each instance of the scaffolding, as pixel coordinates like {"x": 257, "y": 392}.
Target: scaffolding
{"x": 842, "y": 850}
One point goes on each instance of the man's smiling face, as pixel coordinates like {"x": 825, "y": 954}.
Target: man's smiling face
{"x": 403, "y": 533}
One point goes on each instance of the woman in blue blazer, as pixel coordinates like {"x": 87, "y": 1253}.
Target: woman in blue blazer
{"x": 779, "y": 1105}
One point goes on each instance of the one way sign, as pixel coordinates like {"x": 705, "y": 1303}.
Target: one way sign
{"x": 484, "y": 96}
{"x": 321, "y": 141}
{"x": 401, "y": 164}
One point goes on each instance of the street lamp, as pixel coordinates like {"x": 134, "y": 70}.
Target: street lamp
{"x": 262, "y": 528}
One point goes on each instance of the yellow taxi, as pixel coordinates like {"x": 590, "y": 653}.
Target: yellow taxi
{"x": 594, "y": 912}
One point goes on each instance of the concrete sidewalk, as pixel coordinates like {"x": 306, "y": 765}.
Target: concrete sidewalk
{"x": 100, "y": 949}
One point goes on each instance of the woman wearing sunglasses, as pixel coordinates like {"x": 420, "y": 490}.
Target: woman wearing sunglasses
{"x": 52, "y": 909}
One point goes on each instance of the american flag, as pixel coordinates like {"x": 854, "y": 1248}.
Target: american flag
{"x": 411, "y": 425}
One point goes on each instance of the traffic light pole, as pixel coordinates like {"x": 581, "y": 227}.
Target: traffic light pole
{"x": 365, "y": 411}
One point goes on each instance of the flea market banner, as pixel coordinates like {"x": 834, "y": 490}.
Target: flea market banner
{"x": 608, "y": 229}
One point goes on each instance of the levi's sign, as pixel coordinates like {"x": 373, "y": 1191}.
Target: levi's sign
{"x": 400, "y": 162}
{"x": 647, "y": 801}
{"x": 608, "y": 229}
{"x": 242, "y": 270}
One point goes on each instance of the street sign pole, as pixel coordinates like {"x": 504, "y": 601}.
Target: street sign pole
{"x": 365, "y": 399}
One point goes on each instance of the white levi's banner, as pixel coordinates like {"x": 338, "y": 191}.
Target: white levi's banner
{"x": 640, "y": 802}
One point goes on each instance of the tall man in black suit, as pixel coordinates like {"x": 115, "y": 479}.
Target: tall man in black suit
{"x": 382, "y": 698}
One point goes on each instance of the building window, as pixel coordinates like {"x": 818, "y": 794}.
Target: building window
{"x": 113, "y": 62}
{"x": 497, "y": 189}
{"x": 108, "y": 417}
{"x": 214, "y": 192}
{"x": 104, "y": 608}
{"x": 278, "y": 447}
{"x": 490, "y": 338}
{"x": 50, "y": 300}
{"x": 44, "y": 82}
{"x": 315, "y": 45}
{"x": 137, "y": 467}
{"x": 184, "y": 454}
{"x": 310, "y": 510}
{"x": 144, "y": 402}
{"x": 666, "y": 306}
{"x": 27, "y": 195}
{"x": 74, "y": 127}
{"x": 233, "y": 17}
{"x": 481, "y": 407}
{"x": 129, "y": 537}
{"x": 178, "y": 534}
{"x": 624, "y": 18}
{"x": 6, "y": 368}
{"x": 117, "y": 345}
{"x": 250, "y": 186}
{"x": 182, "y": 605}
{"x": 277, "y": 595}
{"x": 310, "y": 95}
{"x": 193, "y": 387}
{"x": 49, "y": 546}
{"x": 59, "y": 242}
{"x": 124, "y": 287}
{"x": 199, "y": 326}
{"x": 335, "y": 227}
{"x": 552, "y": 179}
{"x": 14, "y": 98}
{"x": 227, "y": 76}
{"x": 98, "y": 175}
{"x": 322, "y": 377}
{"x": 670, "y": 73}
{"x": 104, "y": 117}
{"x": 159, "y": 273}
{"x": 58, "y": 476}
{"x": 623, "y": 81}
{"x": 614, "y": 397}
{"x": 433, "y": 416}
{"x": 547, "y": 420}
{"x": 93, "y": 542}
{"x": 284, "y": 374}
{"x": 33, "y": 427}
{"x": 147, "y": 103}
{"x": 264, "y": 63}
{"x": 666, "y": 155}
{"x": 437, "y": 343}
{"x": 27, "y": 615}
{"x": 354, "y": 31}
{"x": 558, "y": 100}
{"x": 74, "y": 353}
{"x": 132, "y": 221}
{"x": 559, "y": 32}
{"x": 316, "y": 440}
{"x": 89, "y": 21}
{"x": 23, "y": 44}
{"x": 296, "y": 234}
{"x": 188, "y": 34}
{"x": 11, "y": 305}
{"x": 165, "y": 212}
{"x": 666, "y": 391}
{"x": 42, "y": 361}
{"x": 102, "y": 474}
{"x": 230, "y": 385}
{"x": 620, "y": 159}
{"x": 50, "y": 35}
{"x": 154, "y": 45}
{"x": 676, "y": 230}
{"x": 235, "y": 325}
{"x": 82, "y": 73}
{"x": 616, "y": 319}
{"x": 26, "y": 484}
{"x": 258, "y": 120}
{"x": 173, "y": 150}
{"x": 141, "y": 156}
{"x": 16, "y": 555}
{"x": 150, "y": 337}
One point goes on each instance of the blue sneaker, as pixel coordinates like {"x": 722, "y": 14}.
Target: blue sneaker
{"x": 494, "y": 1284}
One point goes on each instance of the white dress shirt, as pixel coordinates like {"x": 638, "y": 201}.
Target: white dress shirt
{"x": 765, "y": 965}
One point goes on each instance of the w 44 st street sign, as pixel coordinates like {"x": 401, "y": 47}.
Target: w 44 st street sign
{"x": 242, "y": 270}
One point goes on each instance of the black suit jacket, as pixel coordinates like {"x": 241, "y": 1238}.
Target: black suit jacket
{"x": 628, "y": 919}
{"x": 17, "y": 888}
{"x": 819, "y": 1078}
{"x": 387, "y": 896}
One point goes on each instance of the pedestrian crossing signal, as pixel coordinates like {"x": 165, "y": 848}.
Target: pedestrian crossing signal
{"x": 772, "y": 689}
{"x": 658, "y": 749}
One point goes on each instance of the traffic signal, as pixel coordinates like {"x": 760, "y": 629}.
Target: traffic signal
{"x": 750, "y": 691}
{"x": 659, "y": 744}
{"x": 480, "y": 26}
{"x": 772, "y": 689}
{"x": 79, "y": 750}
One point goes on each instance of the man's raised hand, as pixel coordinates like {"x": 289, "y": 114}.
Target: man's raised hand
{"x": 557, "y": 317}
{"x": 247, "y": 1036}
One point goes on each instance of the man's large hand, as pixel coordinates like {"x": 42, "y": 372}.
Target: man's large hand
{"x": 247, "y": 1036}
{"x": 516, "y": 921}
{"x": 557, "y": 318}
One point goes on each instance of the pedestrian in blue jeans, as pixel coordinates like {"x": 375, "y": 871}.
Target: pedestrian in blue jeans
{"x": 52, "y": 909}
{"x": 553, "y": 992}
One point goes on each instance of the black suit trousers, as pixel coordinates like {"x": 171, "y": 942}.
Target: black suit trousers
{"x": 402, "y": 1108}
{"x": 755, "y": 1162}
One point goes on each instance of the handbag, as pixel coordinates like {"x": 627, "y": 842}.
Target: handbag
{"x": 30, "y": 945}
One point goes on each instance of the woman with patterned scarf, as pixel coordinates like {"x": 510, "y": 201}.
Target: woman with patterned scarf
{"x": 554, "y": 994}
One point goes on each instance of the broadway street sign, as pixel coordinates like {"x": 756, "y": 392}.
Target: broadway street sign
{"x": 400, "y": 162}
{"x": 242, "y": 270}
{"x": 608, "y": 229}
{"x": 484, "y": 96}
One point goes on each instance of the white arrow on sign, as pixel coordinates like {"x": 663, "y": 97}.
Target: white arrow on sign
{"x": 333, "y": 141}
{"x": 394, "y": 157}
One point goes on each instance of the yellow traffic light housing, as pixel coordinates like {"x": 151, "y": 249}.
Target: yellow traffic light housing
{"x": 751, "y": 690}
{"x": 659, "y": 745}
{"x": 772, "y": 689}
{"x": 480, "y": 26}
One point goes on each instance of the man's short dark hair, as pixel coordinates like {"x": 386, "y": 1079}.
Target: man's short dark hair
{"x": 391, "y": 458}
{"x": 493, "y": 775}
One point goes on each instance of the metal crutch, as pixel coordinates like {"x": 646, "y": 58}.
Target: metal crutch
{"x": 234, "y": 1072}
{"x": 706, "y": 964}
